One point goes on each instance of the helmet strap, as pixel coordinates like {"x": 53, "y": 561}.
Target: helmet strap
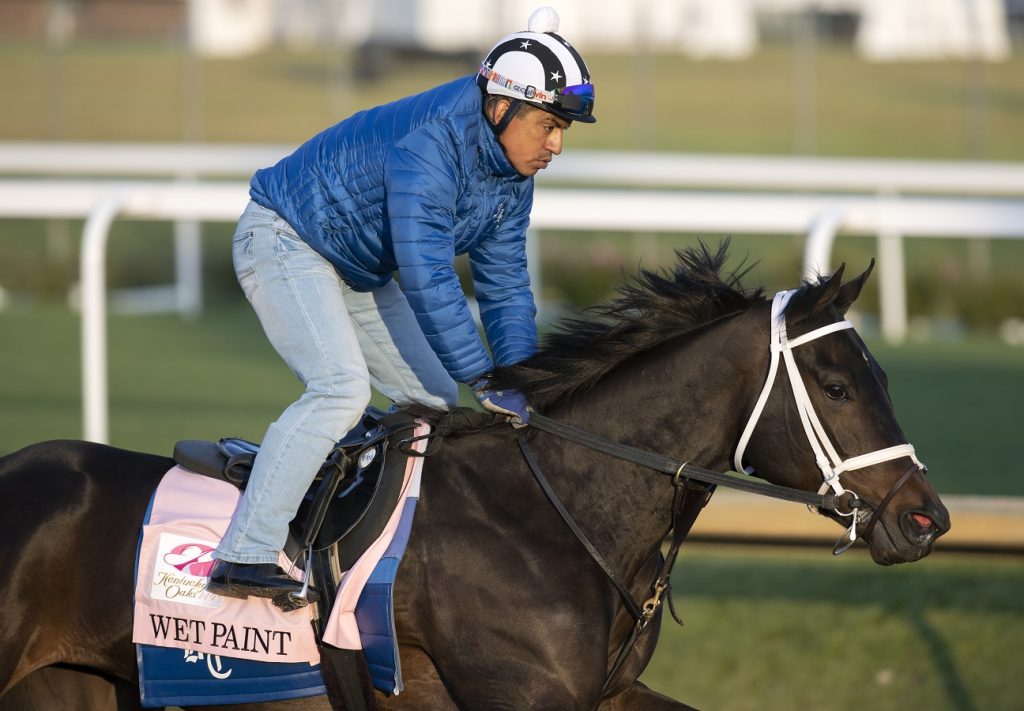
{"x": 510, "y": 113}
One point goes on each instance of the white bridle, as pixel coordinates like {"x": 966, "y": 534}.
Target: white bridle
{"x": 825, "y": 455}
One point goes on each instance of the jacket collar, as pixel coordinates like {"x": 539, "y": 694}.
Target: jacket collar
{"x": 493, "y": 155}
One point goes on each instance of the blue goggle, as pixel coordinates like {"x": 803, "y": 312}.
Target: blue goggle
{"x": 577, "y": 99}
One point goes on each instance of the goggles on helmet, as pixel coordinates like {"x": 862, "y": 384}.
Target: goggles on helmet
{"x": 573, "y": 102}
{"x": 576, "y": 99}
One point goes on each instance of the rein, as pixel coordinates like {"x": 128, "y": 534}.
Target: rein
{"x": 676, "y": 468}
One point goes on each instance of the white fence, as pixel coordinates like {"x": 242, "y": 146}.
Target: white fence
{"x": 954, "y": 208}
{"x": 611, "y": 168}
{"x": 892, "y": 183}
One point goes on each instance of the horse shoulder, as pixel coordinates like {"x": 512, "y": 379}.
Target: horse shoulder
{"x": 491, "y": 571}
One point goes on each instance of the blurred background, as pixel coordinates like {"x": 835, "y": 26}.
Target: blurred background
{"x": 809, "y": 132}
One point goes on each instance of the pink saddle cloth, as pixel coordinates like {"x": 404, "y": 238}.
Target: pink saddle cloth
{"x": 189, "y": 515}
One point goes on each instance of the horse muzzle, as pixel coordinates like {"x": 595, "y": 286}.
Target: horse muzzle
{"x": 904, "y": 523}
{"x": 905, "y": 534}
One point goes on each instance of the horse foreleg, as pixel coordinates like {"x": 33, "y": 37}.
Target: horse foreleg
{"x": 641, "y": 698}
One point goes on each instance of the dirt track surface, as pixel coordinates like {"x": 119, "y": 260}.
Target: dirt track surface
{"x": 995, "y": 523}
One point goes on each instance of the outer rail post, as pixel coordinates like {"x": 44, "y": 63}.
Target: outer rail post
{"x": 93, "y": 278}
{"x": 892, "y": 283}
{"x": 188, "y": 262}
{"x": 188, "y": 268}
{"x": 818, "y": 248}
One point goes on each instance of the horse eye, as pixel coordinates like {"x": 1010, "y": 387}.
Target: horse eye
{"x": 835, "y": 391}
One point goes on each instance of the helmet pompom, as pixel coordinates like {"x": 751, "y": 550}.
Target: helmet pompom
{"x": 543, "y": 19}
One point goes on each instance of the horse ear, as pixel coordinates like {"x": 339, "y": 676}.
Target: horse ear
{"x": 817, "y": 298}
{"x": 849, "y": 291}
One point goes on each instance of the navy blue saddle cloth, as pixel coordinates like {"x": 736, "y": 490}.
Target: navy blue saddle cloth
{"x": 353, "y": 494}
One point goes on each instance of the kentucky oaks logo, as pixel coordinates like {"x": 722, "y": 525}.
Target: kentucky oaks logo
{"x": 181, "y": 570}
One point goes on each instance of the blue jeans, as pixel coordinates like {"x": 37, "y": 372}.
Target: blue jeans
{"x": 338, "y": 342}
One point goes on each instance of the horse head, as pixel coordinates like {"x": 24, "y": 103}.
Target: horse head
{"x": 693, "y": 342}
{"x": 827, "y": 421}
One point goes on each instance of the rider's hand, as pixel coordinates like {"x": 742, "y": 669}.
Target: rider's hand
{"x": 503, "y": 402}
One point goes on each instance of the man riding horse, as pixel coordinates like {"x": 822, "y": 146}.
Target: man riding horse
{"x": 398, "y": 189}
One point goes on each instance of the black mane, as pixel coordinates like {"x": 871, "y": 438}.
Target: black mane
{"x": 649, "y": 310}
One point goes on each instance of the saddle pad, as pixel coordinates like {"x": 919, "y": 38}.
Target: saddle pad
{"x": 188, "y": 517}
{"x": 363, "y": 614}
{"x": 375, "y": 610}
{"x": 187, "y": 676}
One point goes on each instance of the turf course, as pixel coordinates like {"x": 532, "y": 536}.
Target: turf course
{"x": 131, "y": 91}
{"x": 783, "y": 630}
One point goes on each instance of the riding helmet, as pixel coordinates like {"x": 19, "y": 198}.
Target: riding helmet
{"x": 539, "y": 67}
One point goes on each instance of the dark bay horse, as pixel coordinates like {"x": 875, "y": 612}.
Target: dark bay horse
{"x": 498, "y": 606}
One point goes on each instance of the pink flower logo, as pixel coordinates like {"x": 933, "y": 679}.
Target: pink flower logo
{"x": 193, "y": 556}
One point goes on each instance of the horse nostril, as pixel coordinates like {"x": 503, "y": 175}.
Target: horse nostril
{"x": 922, "y": 520}
{"x": 919, "y": 527}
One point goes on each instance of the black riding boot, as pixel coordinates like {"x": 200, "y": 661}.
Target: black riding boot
{"x": 241, "y": 580}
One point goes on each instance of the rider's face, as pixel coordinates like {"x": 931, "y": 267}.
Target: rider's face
{"x": 532, "y": 139}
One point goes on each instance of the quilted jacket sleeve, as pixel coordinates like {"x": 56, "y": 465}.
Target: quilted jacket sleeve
{"x": 422, "y": 180}
{"x": 502, "y": 285}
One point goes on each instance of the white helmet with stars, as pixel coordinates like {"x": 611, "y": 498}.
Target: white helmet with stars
{"x": 539, "y": 67}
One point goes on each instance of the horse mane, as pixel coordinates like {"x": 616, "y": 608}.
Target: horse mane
{"x": 648, "y": 310}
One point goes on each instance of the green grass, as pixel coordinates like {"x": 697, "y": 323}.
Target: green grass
{"x": 789, "y": 630}
{"x": 958, "y": 405}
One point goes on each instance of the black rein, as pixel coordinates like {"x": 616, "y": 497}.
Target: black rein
{"x": 675, "y": 468}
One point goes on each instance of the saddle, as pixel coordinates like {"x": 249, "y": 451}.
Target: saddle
{"x": 352, "y": 495}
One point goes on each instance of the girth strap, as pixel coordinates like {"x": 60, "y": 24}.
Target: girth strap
{"x": 688, "y": 501}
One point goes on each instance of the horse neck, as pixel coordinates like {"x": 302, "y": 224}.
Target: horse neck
{"x": 686, "y": 399}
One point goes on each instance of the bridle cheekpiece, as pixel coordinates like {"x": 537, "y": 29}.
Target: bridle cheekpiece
{"x": 825, "y": 454}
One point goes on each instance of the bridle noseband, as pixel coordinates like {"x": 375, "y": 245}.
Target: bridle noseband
{"x": 825, "y": 454}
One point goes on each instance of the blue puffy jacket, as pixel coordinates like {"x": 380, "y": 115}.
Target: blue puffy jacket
{"x": 404, "y": 188}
